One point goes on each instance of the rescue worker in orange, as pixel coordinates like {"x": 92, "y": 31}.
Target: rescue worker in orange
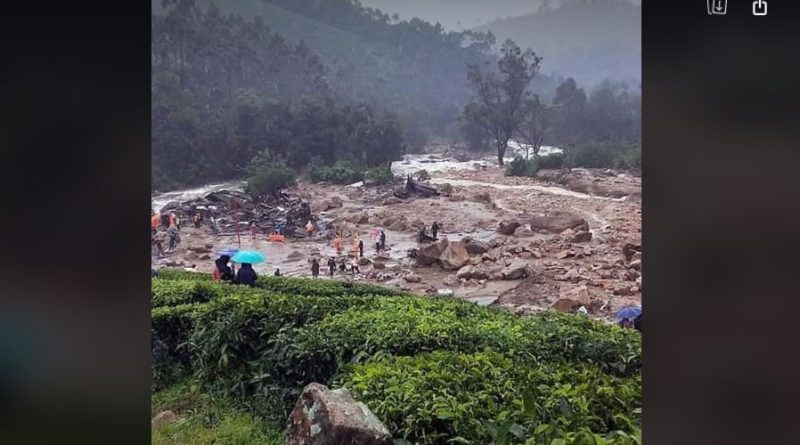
{"x": 338, "y": 244}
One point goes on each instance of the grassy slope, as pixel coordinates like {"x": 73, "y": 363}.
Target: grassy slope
{"x": 206, "y": 421}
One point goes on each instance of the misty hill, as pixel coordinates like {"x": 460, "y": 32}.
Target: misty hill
{"x": 456, "y": 14}
{"x": 413, "y": 67}
{"x": 589, "y": 40}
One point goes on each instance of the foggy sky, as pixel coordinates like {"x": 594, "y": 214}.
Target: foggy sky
{"x": 459, "y": 14}
{"x": 449, "y": 13}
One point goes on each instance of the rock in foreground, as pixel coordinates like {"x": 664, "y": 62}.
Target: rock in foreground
{"x": 331, "y": 417}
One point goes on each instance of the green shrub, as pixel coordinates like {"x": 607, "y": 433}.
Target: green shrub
{"x": 234, "y": 339}
{"x": 265, "y": 173}
{"x": 434, "y": 397}
{"x": 522, "y": 167}
{"x": 556, "y": 336}
{"x": 291, "y": 285}
{"x": 175, "y": 292}
{"x": 207, "y": 420}
{"x": 551, "y": 161}
{"x": 411, "y": 325}
{"x": 619, "y": 155}
{"x": 342, "y": 172}
{"x": 380, "y": 175}
{"x": 170, "y": 273}
{"x": 434, "y": 369}
{"x": 170, "y": 329}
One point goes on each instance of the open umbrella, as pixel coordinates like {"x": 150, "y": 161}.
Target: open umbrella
{"x": 248, "y": 256}
{"x": 629, "y": 313}
{"x": 229, "y": 251}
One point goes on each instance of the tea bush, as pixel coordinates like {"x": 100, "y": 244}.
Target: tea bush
{"x": 411, "y": 325}
{"x": 176, "y": 292}
{"x": 170, "y": 329}
{"x": 170, "y": 273}
{"x": 433, "y": 369}
{"x": 433, "y": 398}
{"x": 289, "y": 285}
{"x": 234, "y": 336}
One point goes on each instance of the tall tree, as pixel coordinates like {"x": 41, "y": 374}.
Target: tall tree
{"x": 571, "y": 103}
{"x": 498, "y": 100}
{"x": 536, "y": 125}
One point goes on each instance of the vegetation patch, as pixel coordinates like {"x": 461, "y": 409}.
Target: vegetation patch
{"x": 436, "y": 370}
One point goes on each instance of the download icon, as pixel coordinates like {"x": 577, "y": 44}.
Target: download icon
{"x": 717, "y": 7}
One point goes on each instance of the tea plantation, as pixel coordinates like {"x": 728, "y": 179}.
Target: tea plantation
{"x": 231, "y": 361}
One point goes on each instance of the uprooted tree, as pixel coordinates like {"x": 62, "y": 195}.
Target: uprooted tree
{"x": 498, "y": 104}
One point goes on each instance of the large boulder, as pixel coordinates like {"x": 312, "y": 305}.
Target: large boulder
{"x": 559, "y": 221}
{"x": 473, "y": 273}
{"x": 516, "y": 271}
{"x": 581, "y": 237}
{"x": 164, "y": 417}
{"x": 508, "y": 227}
{"x": 475, "y": 247}
{"x": 331, "y": 417}
{"x": 454, "y": 256}
{"x": 429, "y": 255}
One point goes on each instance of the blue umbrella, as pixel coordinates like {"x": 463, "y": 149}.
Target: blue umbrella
{"x": 248, "y": 256}
{"x": 229, "y": 251}
{"x": 629, "y": 313}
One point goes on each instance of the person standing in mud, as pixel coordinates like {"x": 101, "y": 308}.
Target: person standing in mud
{"x": 354, "y": 267}
{"x": 360, "y": 248}
{"x": 434, "y": 229}
{"x": 158, "y": 241}
{"x": 331, "y": 266}
{"x": 253, "y": 230}
{"x": 383, "y": 240}
{"x": 174, "y": 237}
{"x": 314, "y": 268}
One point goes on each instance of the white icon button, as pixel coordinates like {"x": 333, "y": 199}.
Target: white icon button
{"x": 760, "y": 7}
{"x": 717, "y": 7}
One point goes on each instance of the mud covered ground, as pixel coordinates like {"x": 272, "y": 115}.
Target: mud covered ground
{"x": 566, "y": 273}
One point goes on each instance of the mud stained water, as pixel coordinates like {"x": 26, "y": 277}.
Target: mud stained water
{"x": 594, "y": 273}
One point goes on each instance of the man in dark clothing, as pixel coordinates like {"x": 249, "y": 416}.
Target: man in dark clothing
{"x": 343, "y": 266}
{"x": 314, "y": 268}
{"x": 331, "y": 265}
{"x": 174, "y": 237}
{"x": 637, "y": 323}
{"x": 246, "y": 275}
{"x": 225, "y": 272}
{"x": 277, "y": 272}
{"x": 361, "y": 248}
{"x": 383, "y": 240}
{"x": 434, "y": 229}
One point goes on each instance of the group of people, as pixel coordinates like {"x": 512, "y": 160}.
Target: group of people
{"x": 423, "y": 236}
{"x": 332, "y": 266}
{"x": 224, "y": 273}
{"x": 171, "y": 234}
